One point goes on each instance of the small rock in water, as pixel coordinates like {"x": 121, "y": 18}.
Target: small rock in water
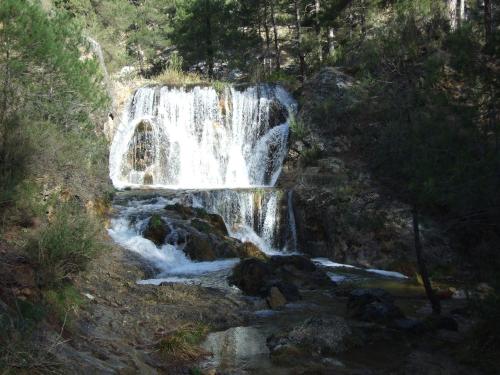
{"x": 275, "y": 298}
{"x": 157, "y": 230}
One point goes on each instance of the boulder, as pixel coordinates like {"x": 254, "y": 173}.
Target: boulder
{"x": 373, "y": 305}
{"x": 315, "y": 337}
{"x": 250, "y": 250}
{"x": 252, "y": 276}
{"x": 278, "y": 114}
{"x": 157, "y": 230}
{"x": 184, "y": 211}
{"x": 300, "y": 271}
{"x": 275, "y": 298}
{"x": 207, "y": 246}
{"x": 200, "y": 247}
{"x": 256, "y": 277}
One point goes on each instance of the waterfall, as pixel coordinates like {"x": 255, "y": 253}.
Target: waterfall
{"x": 199, "y": 138}
{"x": 291, "y": 222}
{"x": 251, "y": 215}
{"x": 97, "y": 51}
{"x": 222, "y": 150}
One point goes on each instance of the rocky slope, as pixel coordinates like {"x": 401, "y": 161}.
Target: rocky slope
{"x": 341, "y": 210}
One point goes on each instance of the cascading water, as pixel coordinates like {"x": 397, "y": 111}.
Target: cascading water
{"x": 199, "y": 138}
{"x": 223, "y": 150}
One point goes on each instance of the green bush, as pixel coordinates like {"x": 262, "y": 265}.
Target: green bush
{"x": 310, "y": 156}
{"x": 65, "y": 245}
{"x": 297, "y": 128}
{"x": 63, "y": 301}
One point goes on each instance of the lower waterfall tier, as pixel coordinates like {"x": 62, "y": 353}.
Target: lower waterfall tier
{"x": 260, "y": 216}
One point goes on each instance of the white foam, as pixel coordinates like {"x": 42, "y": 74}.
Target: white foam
{"x": 387, "y": 273}
{"x": 328, "y": 263}
{"x": 325, "y": 262}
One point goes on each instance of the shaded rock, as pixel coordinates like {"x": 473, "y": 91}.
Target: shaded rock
{"x": 275, "y": 298}
{"x": 207, "y": 247}
{"x": 252, "y": 276}
{"x": 313, "y": 337}
{"x": 300, "y": 271}
{"x": 200, "y": 218}
{"x": 217, "y": 223}
{"x": 184, "y": 211}
{"x": 200, "y": 248}
{"x": 437, "y": 322}
{"x": 372, "y": 305}
{"x": 288, "y": 273}
{"x": 156, "y": 230}
{"x": 408, "y": 325}
{"x": 420, "y": 362}
{"x": 278, "y": 114}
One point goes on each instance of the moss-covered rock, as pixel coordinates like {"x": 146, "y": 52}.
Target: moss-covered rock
{"x": 157, "y": 230}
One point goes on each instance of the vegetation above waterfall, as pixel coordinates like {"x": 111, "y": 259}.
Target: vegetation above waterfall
{"x": 398, "y": 103}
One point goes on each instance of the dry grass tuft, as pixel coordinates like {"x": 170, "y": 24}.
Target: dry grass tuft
{"x": 182, "y": 344}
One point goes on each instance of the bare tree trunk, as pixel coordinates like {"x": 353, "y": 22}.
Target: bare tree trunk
{"x": 461, "y": 12}
{"x": 298, "y": 26}
{"x": 210, "y": 48}
{"x": 267, "y": 60}
{"x": 363, "y": 18}
{"x": 317, "y": 28}
{"x": 488, "y": 25}
{"x": 266, "y": 26}
{"x": 331, "y": 41}
{"x": 276, "y": 41}
{"x": 436, "y": 305}
{"x": 452, "y": 13}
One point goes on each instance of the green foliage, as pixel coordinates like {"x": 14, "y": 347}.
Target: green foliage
{"x": 65, "y": 245}
{"x": 297, "y": 127}
{"x": 40, "y": 67}
{"x": 310, "y": 156}
{"x": 429, "y": 91}
{"x": 63, "y": 302}
{"x": 47, "y": 96}
{"x": 207, "y": 30}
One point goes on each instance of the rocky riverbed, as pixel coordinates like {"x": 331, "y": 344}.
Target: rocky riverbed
{"x": 264, "y": 315}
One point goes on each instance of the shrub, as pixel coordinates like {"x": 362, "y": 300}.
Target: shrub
{"x": 63, "y": 301}
{"x": 297, "y": 128}
{"x": 65, "y": 245}
{"x": 310, "y": 156}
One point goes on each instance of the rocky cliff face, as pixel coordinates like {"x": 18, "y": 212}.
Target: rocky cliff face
{"x": 341, "y": 211}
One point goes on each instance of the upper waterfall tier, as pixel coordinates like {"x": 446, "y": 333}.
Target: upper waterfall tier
{"x": 185, "y": 138}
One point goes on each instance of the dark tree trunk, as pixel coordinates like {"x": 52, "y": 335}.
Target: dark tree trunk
{"x": 488, "y": 25}
{"x": 436, "y": 305}
{"x": 266, "y": 26}
{"x": 276, "y": 41}
{"x": 298, "y": 26}
{"x": 210, "y": 48}
{"x": 363, "y": 18}
{"x": 267, "y": 60}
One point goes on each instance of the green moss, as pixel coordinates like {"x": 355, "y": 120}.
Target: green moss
{"x": 201, "y": 225}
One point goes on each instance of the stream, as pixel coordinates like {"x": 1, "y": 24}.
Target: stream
{"x": 221, "y": 151}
